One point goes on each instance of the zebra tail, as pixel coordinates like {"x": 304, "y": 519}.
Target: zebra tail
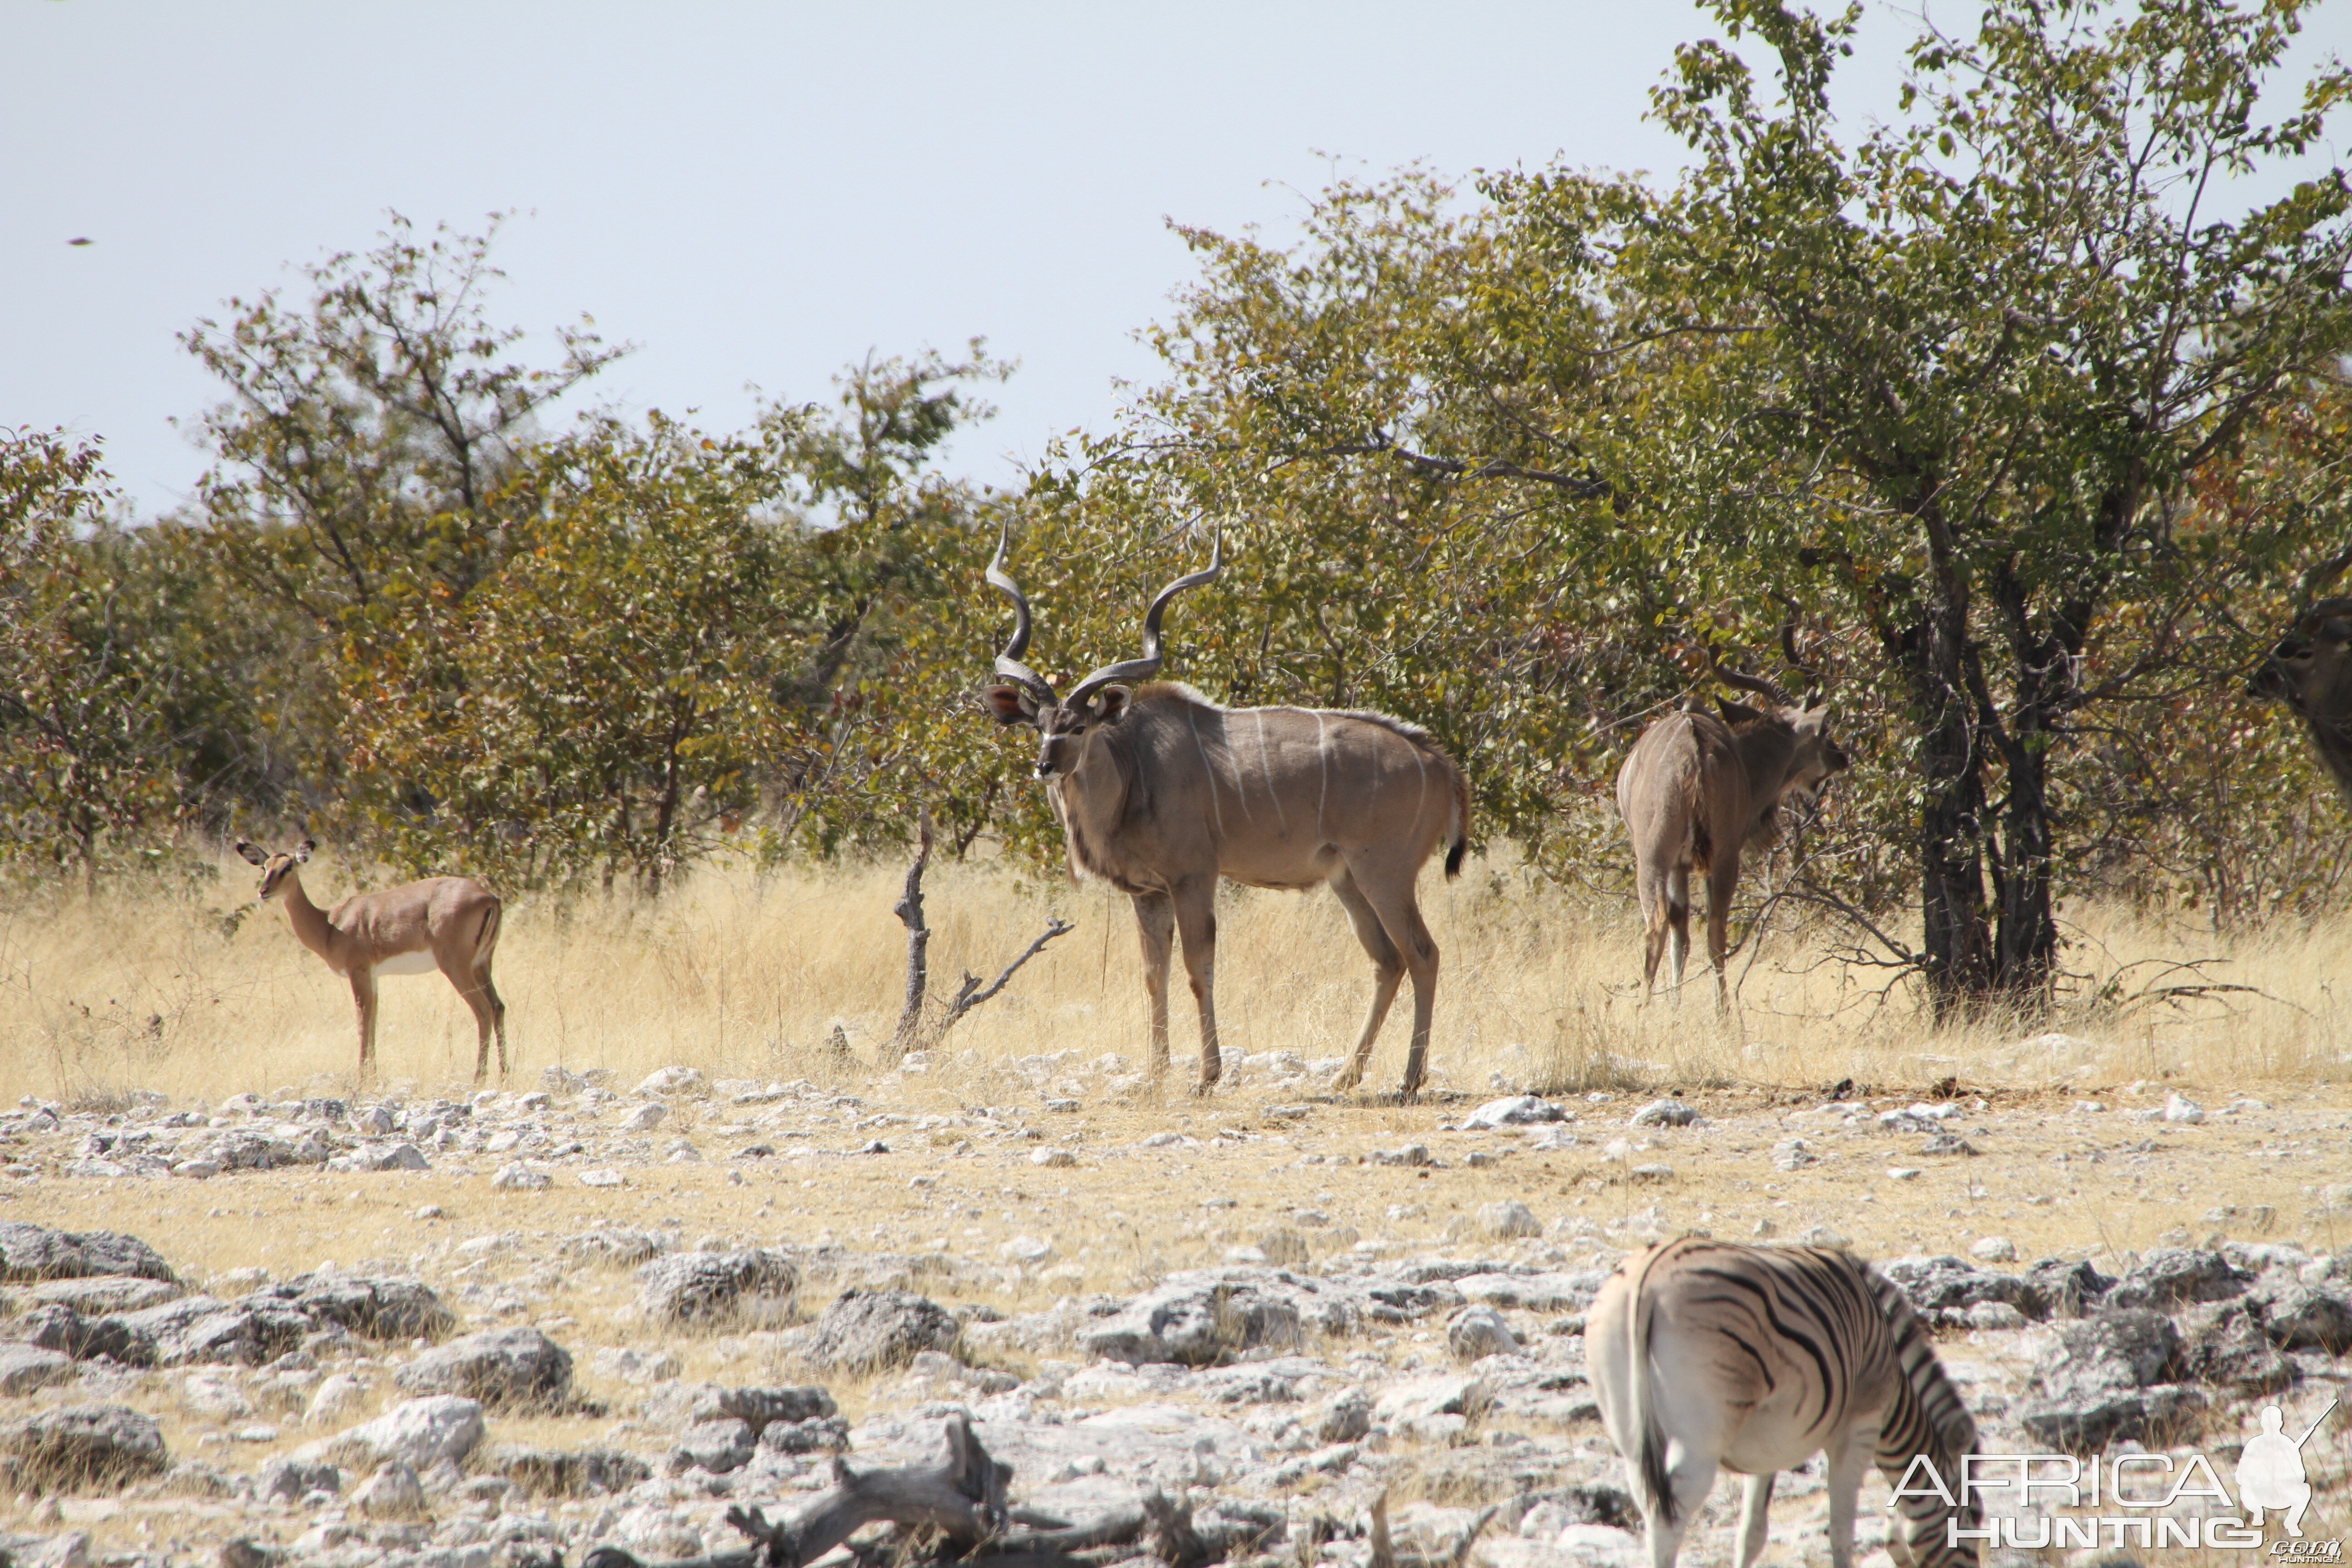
{"x": 1649, "y": 1439}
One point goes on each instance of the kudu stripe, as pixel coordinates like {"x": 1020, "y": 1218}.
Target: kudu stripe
{"x": 1708, "y": 1355}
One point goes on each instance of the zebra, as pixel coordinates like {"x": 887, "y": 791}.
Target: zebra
{"x": 1707, "y": 1353}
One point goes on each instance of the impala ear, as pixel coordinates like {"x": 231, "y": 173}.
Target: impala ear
{"x": 1010, "y": 704}
{"x": 1114, "y": 702}
{"x": 252, "y": 853}
{"x": 302, "y": 850}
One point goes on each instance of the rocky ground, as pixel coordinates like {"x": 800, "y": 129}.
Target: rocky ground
{"x": 399, "y": 1329}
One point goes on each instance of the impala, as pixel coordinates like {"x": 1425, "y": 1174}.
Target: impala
{"x": 449, "y": 923}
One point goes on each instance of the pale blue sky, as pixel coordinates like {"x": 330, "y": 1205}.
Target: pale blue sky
{"x": 753, "y": 194}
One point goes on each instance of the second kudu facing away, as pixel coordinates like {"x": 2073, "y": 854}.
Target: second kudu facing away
{"x": 1696, "y": 790}
{"x": 1160, "y": 792}
{"x": 2310, "y": 670}
{"x": 448, "y": 923}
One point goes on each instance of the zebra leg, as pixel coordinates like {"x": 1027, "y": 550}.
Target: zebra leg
{"x": 1755, "y": 1503}
{"x": 1847, "y": 1455}
{"x": 1690, "y": 1476}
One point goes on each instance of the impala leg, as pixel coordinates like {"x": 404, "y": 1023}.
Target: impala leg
{"x": 1755, "y": 1506}
{"x": 1196, "y": 921}
{"x": 1723, "y": 880}
{"x": 1391, "y": 896}
{"x": 1155, "y": 925}
{"x": 1387, "y": 966}
{"x": 489, "y": 1013}
{"x": 364, "y": 1000}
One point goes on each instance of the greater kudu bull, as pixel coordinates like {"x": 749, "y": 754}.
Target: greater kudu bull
{"x": 1696, "y": 791}
{"x": 2310, "y": 670}
{"x": 1160, "y": 792}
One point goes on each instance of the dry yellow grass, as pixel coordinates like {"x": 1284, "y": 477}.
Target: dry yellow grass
{"x": 747, "y": 976}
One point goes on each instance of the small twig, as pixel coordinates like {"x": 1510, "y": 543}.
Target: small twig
{"x": 970, "y": 994}
{"x": 910, "y": 911}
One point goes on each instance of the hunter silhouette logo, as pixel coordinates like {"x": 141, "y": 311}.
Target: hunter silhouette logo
{"x": 2270, "y": 1470}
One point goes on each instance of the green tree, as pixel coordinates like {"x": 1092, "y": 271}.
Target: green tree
{"x": 87, "y": 763}
{"x": 1979, "y": 359}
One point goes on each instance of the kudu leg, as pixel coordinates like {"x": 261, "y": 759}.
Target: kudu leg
{"x": 1650, "y": 893}
{"x": 1723, "y": 880}
{"x": 1387, "y": 966}
{"x": 1155, "y": 927}
{"x": 1678, "y": 908}
{"x": 1196, "y": 921}
{"x": 363, "y": 1002}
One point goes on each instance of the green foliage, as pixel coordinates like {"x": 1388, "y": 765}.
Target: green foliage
{"x": 93, "y": 675}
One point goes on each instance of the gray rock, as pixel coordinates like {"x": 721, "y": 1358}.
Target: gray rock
{"x": 717, "y": 1289}
{"x": 101, "y": 1293}
{"x": 822, "y": 1434}
{"x": 392, "y": 1492}
{"x": 506, "y": 1368}
{"x": 1199, "y": 1320}
{"x": 639, "y": 1367}
{"x": 419, "y": 1432}
{"x": 372, "y": 1158}
{"x": 1526, "y": 1109}
{"x": 30, "y": 1251}
{"x": 2069, "y": 1289}
{"x": 718, "y": 1447}
{"x": 1508, "y": 1220}
{"x": 1479, "y": 1331}
{"x": 558, "y": 1472}
{"x": 292, "y": 1480}
{"x": 1664, "y": 1113}
{"x": 2296, "y": 1316}
{"x": 875, "y": 1330}
{"x": 2090, "y": 1424}
{"x": 2109, "y": 1351}
{"x": 26, "y": 1369}
{"x": 2174, "y": 1276}
{"x": 378, "y": 1307}
{"x": 1346, "y": 1418}
{"x": 2223, "y": 1345}
{"x": 199, "y": 1331}
{"x": 1939, "y": 1285}
{"x": 758, "y": 1407}
{"x": 77, "y": 1446}
{"x": 616, "y": 1246}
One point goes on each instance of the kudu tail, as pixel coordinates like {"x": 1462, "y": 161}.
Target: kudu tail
{"x": 1459, "y": 830}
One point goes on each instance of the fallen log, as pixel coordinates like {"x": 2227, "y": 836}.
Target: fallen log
{"x": 960, "y": 1503}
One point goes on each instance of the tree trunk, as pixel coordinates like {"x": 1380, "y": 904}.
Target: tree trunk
{"x": 1955, "y": 946}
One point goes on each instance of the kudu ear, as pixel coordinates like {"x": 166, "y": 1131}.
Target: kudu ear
{"x": 302, "y": 850}
{"x": 1813, "y": 720}
{"x": 1010, "y": 704}
{"x": 253, "y": 853}
{"x": 1738, "y": 712}
{"x": 1113, "y": 702}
